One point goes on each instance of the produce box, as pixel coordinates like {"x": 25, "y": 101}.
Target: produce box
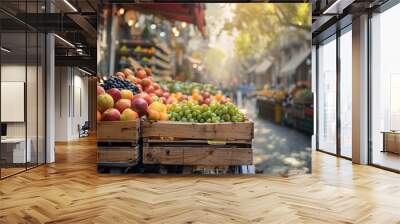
{"x": 209, "y": 144}
{"x": 269, "y": 110}
{"x": 117, "y": 143}
{"x": 118, "y": 131}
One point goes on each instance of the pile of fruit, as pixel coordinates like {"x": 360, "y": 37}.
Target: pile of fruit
{"x": 214, "y": 113}
{"x": 187, "y": 88}
{"x": 129, "y": 95}
{"x": 304, "y": 96}
{"x": 273, "y": 94}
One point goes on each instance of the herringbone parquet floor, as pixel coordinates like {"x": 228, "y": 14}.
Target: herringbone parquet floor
{"x": 71, "y": 191}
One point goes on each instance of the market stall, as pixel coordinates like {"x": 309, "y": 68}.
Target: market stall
{"x": 291, "y": 108}
{"x": 142, "y": 124}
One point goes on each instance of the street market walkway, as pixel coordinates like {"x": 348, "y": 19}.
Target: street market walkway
{"x": 278, "y": 150}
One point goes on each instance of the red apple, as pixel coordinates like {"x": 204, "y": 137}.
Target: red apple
{"x": 165, "y": 94}
{"x": 207, "y": 101}
{"x": 158, "y": 92}
{"x": 115, "y": 94}
{"x": 146, "y": 97}
{"x": 139, "y": 86}
{"x": 140, "y": 106}
{"x": 206, "y": 95}
{"x": 141, "y": 74}
{"x": 184, "y": 97}
{"x": 100, "y": 90}
{"x": 149, "y": 89}
{"x": 122, "y": 104}
{"x": 111, "y": 114}
{"x": 146, "y": 82}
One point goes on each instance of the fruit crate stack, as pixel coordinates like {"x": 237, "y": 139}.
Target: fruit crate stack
{"x": 197, "y": 144}
{"x": 117, "y": 143}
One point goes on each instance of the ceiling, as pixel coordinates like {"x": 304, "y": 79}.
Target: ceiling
{"x": 330, "y": 15}
{"x": 72, "y": 20}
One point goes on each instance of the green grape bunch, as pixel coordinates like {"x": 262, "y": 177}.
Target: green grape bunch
{"x": 215, "y": 113}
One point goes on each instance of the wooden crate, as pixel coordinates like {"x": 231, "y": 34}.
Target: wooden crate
{"x": 117, "y": 143}
{"x": 208, "y": 144}
{"x": 117, "y": 152}
{"x": 118, "y": 131}
{"x": 227, "y": 131}
{"x": 205, "y": 153}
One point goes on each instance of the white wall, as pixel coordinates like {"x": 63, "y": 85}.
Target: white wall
{"x": 33, "y": 127}
{"x": 71, "y": 102}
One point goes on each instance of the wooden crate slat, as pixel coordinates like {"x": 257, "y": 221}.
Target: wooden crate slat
{"x": 118, "y": 130}
{"x": 207, "y": 156}
{"x": 209, "y": 131}
{"x": 189, "y": 141}
{"x": 162, "y": 155}
{"x": 117, "y": 154}
{"x": 189, "y": 155}
{"x": 242, "y": 156}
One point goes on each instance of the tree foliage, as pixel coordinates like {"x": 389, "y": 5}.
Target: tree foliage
{"x": 214, "y": 59}
{"x": 258, "y": 27}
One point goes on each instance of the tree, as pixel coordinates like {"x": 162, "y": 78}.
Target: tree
{"x": 259, "y": 27}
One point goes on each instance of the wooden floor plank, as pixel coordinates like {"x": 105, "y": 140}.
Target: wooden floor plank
{"x": 71, "y": 191}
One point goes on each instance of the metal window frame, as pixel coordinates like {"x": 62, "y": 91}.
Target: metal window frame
{"x": 339, "y": 32}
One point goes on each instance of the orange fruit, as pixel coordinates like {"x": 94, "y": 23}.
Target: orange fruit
{"x": 163, "y": 117}
{"x": 153, "y": 115}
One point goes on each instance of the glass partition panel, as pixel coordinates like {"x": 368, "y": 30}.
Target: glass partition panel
{"x": 385, "y": 89}
{"x": 346, "y": 94}
{"x": 327, "y": 96}
{"x": 41, "y": 86}
{"x": 15, "y": 152}
{"x": 32, "y": 98}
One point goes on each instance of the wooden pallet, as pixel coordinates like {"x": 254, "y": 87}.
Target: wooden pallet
{"x": 117, "y": 143}
{"x": 206, "y": 144}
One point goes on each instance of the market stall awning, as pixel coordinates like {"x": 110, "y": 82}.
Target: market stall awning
{"x": 190, "y": 13}
{"x": 193, "y": 60}
{"x": 263, "y": 67}
{"x": 294, "y": 63}
{"x": 252, "y": 69}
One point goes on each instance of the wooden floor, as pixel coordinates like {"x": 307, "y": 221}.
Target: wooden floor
{"x": 71, "y": 191}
